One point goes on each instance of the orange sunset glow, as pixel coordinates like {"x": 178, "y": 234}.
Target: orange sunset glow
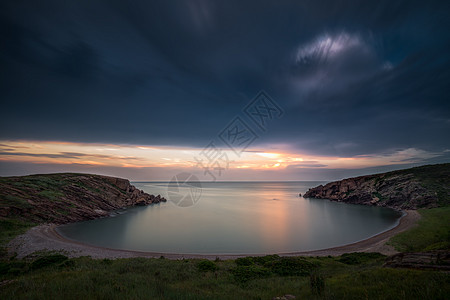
{"x": 68, "y": 155}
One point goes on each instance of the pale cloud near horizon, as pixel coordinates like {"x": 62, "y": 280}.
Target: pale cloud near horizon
{"x": 158, "y": 162}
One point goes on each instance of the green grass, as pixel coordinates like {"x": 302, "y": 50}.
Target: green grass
{"x": 9, "y": 228}
{"x": 26, "y": 197}
{"x": 49, "y": 182}
{"x": 10, "y": 200}
{"x": 434, "y": 178}
{"x": 385, "y": 283}
{"x": 433, "y": 232}
{"x": 90, "y": 188}
{"x": 350, "y": 276}
{"x": 83, "y": 278}
{"x": 358, "y": 258}
{"x": 51, "y": 194}
{"x": 30, "y": 187}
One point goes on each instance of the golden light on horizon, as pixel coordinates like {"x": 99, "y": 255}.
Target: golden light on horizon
{"x": 181, "y": 158}
{"x": 269, "y": 155}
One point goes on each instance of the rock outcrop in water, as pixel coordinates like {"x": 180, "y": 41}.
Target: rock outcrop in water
{"x": 67, "y": 197}
{"x": 421, "y": 187}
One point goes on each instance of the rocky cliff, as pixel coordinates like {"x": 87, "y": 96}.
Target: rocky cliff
{"x": 67, "y": 197}
{"x": 420, "y": 187}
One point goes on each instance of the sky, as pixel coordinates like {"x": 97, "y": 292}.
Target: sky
{"x": 225, "y": 90}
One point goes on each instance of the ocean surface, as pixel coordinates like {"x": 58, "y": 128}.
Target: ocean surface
{"x": 233, "y": 218}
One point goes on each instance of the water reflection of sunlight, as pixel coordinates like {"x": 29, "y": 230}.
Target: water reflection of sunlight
{"x": 275, "y": 218}
{"x": 238, "y": 218}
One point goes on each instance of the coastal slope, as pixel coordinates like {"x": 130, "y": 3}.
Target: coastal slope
{"x": 67, "y": 197}
{"x": 421, "y": 187}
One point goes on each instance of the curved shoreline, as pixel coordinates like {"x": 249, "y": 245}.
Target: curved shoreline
{"x": 45, "y": 237}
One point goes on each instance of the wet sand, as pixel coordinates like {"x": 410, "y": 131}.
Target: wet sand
{"x": 45, "y": 237}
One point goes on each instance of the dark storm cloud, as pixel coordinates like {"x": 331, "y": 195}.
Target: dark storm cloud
{"x": 353, "y": 77}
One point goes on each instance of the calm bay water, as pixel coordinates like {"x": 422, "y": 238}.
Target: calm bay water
{"x": 236, "y": 217}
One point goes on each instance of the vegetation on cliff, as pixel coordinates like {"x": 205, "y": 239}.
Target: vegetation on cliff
{"x": 426, "y": 188}
{"x": 26, "y": 201}
{"x": 67, "y": 197}
{"x": 350, "y": 276}
{"x": 421, "y": 187}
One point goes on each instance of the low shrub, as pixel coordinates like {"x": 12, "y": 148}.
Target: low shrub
{"x": 13, "y": 267}
{"x": 357, "y": 258}
{"x": 246, "y": 273}
{"x": 244, "y": 261}
{"x": 207, "y": 265}
{"x": 263, "y": 260}
{"x": 317, "y": 283}
{"x": 291, "y": 266}
{"x": 260, "y": 260}
{"x": 48, "y": 260}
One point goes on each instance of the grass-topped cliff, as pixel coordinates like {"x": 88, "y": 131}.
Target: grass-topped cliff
{"x": 61, "y": 198}
{"x": 350, "y": 276}
{"x": 426, "y": 188}
{"x": 420, "y": 187}
{"x": 67, "y": 197}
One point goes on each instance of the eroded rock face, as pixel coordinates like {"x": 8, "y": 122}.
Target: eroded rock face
{"x": 405, "y": 189}
{"x": 435, "y": 260}
{"x": 68, "y": 197}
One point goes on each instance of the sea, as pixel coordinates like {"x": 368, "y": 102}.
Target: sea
{"x": 233, "y": 218}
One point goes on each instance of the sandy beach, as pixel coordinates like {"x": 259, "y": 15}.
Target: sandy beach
{"x": 45, "y": 237}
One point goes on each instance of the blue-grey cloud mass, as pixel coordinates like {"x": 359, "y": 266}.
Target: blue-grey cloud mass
{"x": 352, "y": 77}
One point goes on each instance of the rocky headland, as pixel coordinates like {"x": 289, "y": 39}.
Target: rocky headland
{"x": 421, "y": 187}
{"x": 67, "y": 197}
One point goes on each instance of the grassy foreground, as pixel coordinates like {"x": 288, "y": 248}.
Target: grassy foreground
{"x": 433, "y": 232}
{"x": 350, "y": 276}
{"x": 9, "y": 228}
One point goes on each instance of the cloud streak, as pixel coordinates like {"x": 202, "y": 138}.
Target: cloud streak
{"x": 353, "y": 80}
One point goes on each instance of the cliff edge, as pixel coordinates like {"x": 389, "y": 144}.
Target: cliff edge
{"x": 421, "y": 187}
{"x": 67, "y": 197}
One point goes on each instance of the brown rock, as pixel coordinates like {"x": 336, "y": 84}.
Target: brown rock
{"x": 69, "y": 198}
{"x": 402, "y": 189}
{"x": 437, "y": 260}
